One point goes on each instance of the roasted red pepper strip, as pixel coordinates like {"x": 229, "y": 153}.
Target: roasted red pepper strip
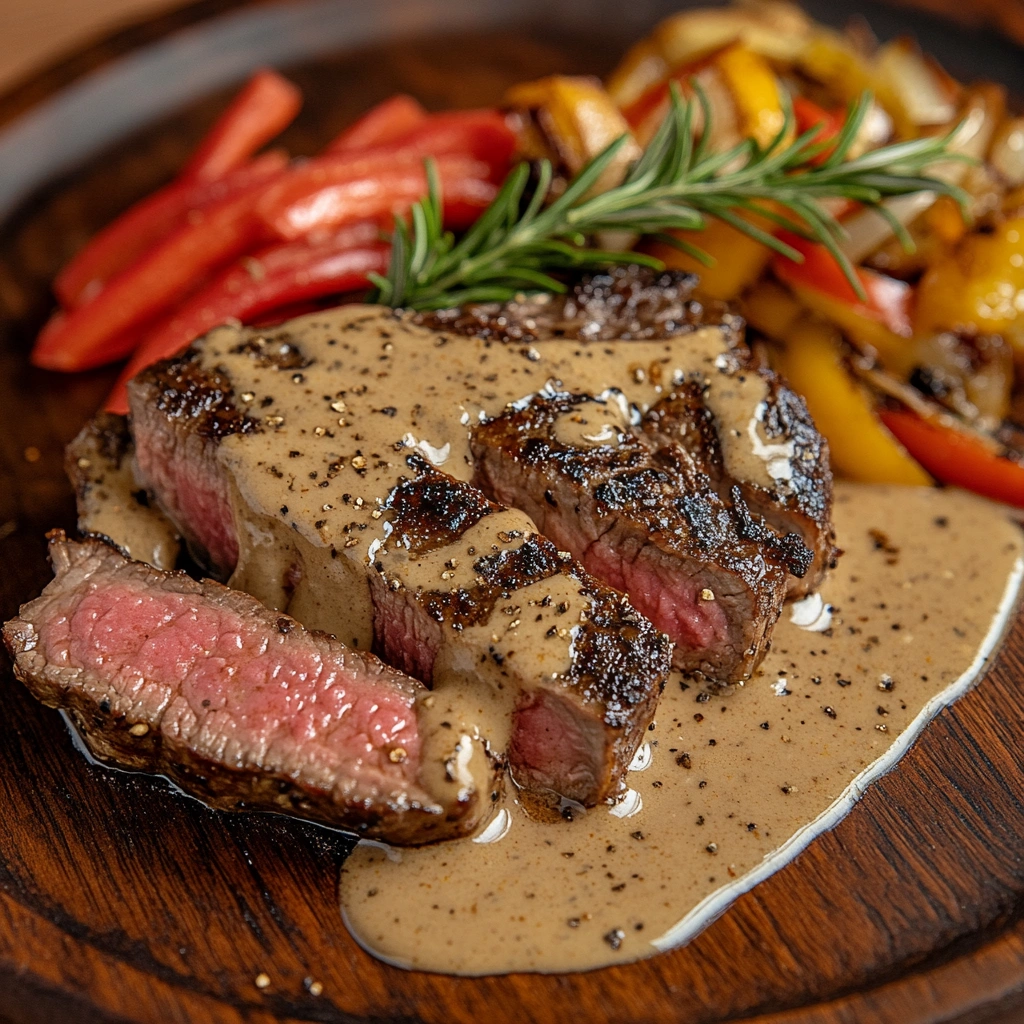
{"x": 387, "y": 122}
{"x": 100, "y": 331}
{"x": 265, "y": 107}
{"x": 377, "y": 187}
{"x": 279, "y": 276}
{"x": 888, "y": 299}
{"x": 292, "y": 206}
{"x": 124, "y": 240}
{"x": 957, "y": 458}
{"x": 829, "y": 123}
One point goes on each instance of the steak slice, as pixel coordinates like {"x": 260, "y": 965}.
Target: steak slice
{"x": 637, "y": 304}
{"x": 576, "y": 720}
{"x": 645, "y": 520}
{"x": 237, "y": 704}
{"x": 519, "y": 643}
{"x": 798, "y": 501}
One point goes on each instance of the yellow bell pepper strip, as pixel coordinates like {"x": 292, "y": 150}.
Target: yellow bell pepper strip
{"x": 755, "y": 90}
{"x": 862, "y": 449}
{"x": 882, "y": 323}
{"x": 978, "y": 288}
{"x": 958, "y": 458}
{"x": 738, "y": 259}
{"x": 771, "y": 309}
{"x": 740, "y": 80}
{"x": 580, "y": 119}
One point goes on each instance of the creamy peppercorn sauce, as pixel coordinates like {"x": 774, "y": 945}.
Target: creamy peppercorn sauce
{"x": 729, "y": 785}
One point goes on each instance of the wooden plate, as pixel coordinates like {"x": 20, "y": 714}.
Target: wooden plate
{"x": 123, "y": 901}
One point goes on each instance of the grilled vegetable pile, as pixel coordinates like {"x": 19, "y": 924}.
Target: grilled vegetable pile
{"x": 862, "y": 209}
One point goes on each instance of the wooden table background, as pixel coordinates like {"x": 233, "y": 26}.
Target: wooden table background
{"x": 33, "y": 33}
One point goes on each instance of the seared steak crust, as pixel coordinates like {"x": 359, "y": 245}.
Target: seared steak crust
{"x": 624, "y": 303}
{"x": 237, "y": 704}
{"x": 431, "y": 510}
{"x": 631, "y": 303}
{"x": 645, "y": 520}
{"x": 618, "y": 665}
{"x": 801, "y": 504}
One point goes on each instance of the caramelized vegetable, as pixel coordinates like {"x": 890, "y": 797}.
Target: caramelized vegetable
{"x": 978, "y": 288}
{"x": 881, "y": 324}
{"x": 921, "y": 95}
{"x": 1007, "y": 153}
{"x": 643, "y": 67}
{"x": 971, "y": 376}
{"x": 773, "y": 29}
{"x": 755, "y": 90}
{"x": 958, "y": 458}
{"x": 650, "y": 110}
{"x": 738, "y": 260}
{"x": 579, "y": 118}
{"x": 861, "y": 448}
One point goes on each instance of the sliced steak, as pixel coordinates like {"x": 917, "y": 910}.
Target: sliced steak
{"x": 577, "y": 720}
{"x": 646, "y": 520}
{"x": 798, "y": 499}
{"x": 630, "y": 303}
{"x": 237, "y": 704}
{"x": 459, "y": 592}
{"x": 110, "y": 503}
{"x": 181, "y": 466}
{"x": 328, "y": 467}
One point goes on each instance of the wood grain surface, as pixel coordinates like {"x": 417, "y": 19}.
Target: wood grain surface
{"x": 121, "y": 901}
{"x": 40, "y": 32}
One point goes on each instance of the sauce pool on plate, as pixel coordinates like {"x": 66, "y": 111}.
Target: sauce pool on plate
{"x": 730, "y": 786}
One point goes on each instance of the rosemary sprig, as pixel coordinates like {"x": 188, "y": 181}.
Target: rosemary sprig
{"x": 518, "y": 244}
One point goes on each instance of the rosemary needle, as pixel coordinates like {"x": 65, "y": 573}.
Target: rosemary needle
{"x": 519, "y": 243}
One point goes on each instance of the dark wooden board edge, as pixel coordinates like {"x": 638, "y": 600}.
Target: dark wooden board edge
{"x": 47, "y": 961}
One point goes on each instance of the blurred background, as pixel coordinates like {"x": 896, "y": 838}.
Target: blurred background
{"x": 37, "y": 32}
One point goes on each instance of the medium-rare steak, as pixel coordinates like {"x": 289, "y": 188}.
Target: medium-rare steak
{"x": 237, "y": 704}
{"x": 329, "y": 467}
{"x": 644, "y": 519}
{"x": 458, "y": 590}
{"x": 771, "y": 451}
{"x": 575, "y": 726}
